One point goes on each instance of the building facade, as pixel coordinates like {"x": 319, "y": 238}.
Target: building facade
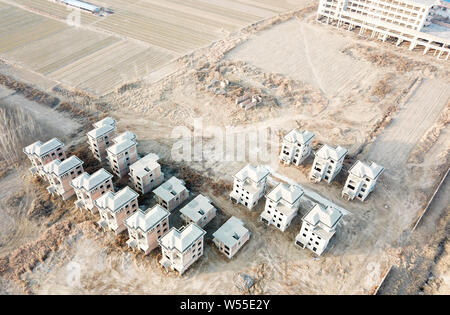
{"x": 249, "y": 185}
{"x": 361, "y": 180}
{"x": 199, "y": 211}
{"x": 296, "y": 147}
{"x": 231, "y": 236}
{"x": 318, "y": 227}
{"x": 171, "y": 193}
{"x": 145, "y": 174}
{"x": 327, "y": 163}
{"x": 101, "y": 137}
{"x": 122, "y": 153}
{"x": 114, "y": 208}
{"x": 282, "y": 205}
{"x": 181, "y": 248}
{"x": 145, "y": 228}
{"x": 41, "y": 154}
{"x": 88, "y": 188}
{"x": 60, "y": 174}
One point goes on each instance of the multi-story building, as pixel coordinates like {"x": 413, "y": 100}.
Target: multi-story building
{"x": 181, "y": 248}
{"x": 361, "y": 180}
{"x": 282, "y": 205}
{"x": 89, "y": 188}
{"x": 296, "y": 147}
{"x": 145, "y": 228}
{"x": 101, "y": 137}
{"x": 171, "y": 193}
{"x": 231, "y": 236}
{"x": 412, "y": 21}
{"x": 114, "y": 208}
{"x": 318, "y": 227}
{"x": 249, "y": 185}
{"x": 122, "y": 153}
{"x": 199, "y": 211}
{"x": 327, "y": 163}
{"x": 60, "y": 174}
{"x": 145, "y": 174}
{"x": 41, "y": 154}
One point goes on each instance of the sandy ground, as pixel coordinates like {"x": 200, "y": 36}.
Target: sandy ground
{"x": 374, "y": 123}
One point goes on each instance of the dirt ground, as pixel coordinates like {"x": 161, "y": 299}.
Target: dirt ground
{"x": 308, "y": 75}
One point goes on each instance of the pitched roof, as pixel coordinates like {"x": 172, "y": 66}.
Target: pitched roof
{"x": 58, "y": 168}
{"x": 193, "y": 210}
{"x": 231, "y": 231}
{"x": 40, "y": 149}
{"x": 144, "y": 165}
{"x": 115, "y": 201}
{"x": 371, "y": 170}
{"x": 146, "y": 220}
{"x": 328, "y": 216}
{"x": 256, "y": 174}
{"x": 182, "y": 239}
{"x": 122, "y": 142}
{"x": 108, "y": 121}
{"x": 169, "y": 189}
{"x": 100, "y": 131}
{"x": 89, "y": 182}
{"x": 289, "y": 193}
{"x": 297, "y": 136}
{"x": 327, "y": 152}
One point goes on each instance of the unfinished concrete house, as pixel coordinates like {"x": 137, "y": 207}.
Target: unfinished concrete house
{"x": 282, "y": 205}
{"x": 145, "y": 174}
{"x": 181, "y": 248}
{"x": 249, "y": 185}
{"x": 114, "y": 208}
{"x": 361, "y": 180}
{"x": 296, "y": 147}
{"x": 417, "y": 22}
{"x": 231, "y": 236}
{"x": 41, "y": 154}
{"x": 171, "y": 193}
{"x": 199, "y": 211}
{"x": 327, "y": 163}
{"x": 145, "y": 228}
{"x": 318, "y": 227}
{"x": 122, "y": 153}
{"x": 89, "y": 188}
{"x": 60, "y": 174}
{"x": 101, "y": 137}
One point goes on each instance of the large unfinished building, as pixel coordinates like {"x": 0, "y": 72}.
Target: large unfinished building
{"x": 417, "y": 22}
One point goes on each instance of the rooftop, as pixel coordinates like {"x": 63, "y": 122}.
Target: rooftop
{"x": 115, "y": 201}
{"x": 146, "y": 220}
{"x": 169, "y": 189}
{"x": 256, "y": 174}
{"x": 108, "y": 121}
{"x": 183, "y": 238}
{"x": 147, "y": 164}
{"x": 58, "y": 168}
{"x": 89, "y": 182}
{"x": 40, "y": 149}
{"x": 100, "y": 131}
{"x": 195, "y": 209}
{"x": 231, "y": 231}
{"x": 289, "y": 193}
{"x": 297, "y": 136}
{"x": 122, "y": 142}
{"x": 361, "y": 170}
{"x": 328, "y": 216}
{"x": 327, "y": 152}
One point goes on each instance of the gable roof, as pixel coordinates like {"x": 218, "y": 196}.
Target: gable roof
{"x": 122, "y": 142}
{"x": 146, "y": 220}
{"x": 40, "y": 149}
{"x": 193, "y": 208}
{"x": 58, "y": 168}
{"x": 144, "y": 165}
{"x": 327, "y": 152}
{"x": 231, "y": 231}
{"x": 297, "y": 136}
{"x": 361, "y": 170}
{"x": 169, "y": 189}
{"x": 318, "y": 214}
{"x": 182, "y": 239}
{"x": 256, "y": 174}
{"x": 89, "y": 182}
{"x": 107, "y": 121}
{"x": 115, "y": 201}
{"x": 289, "y": 193}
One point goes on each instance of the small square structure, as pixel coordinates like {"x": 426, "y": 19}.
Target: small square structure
{"x": 181, "y": 248}
{"x": 199, "y": 211}
{"x": 318, "y": 227}
{"x": 296, "y": 147}
{"x": 122, "y": 153}
{"x": 114, "y": 208}
{"x": 145, "y": 174}
{"x": 101, "y": 137}
{"x": 89, "y": 188}
{"x": 249, "y": 185}
{"x": 145, "y": 228}
{"x": 171, "y": 193}
{"x": 231, "y": 236}
{"x": 60, "y": 174}
{"x": 41, "y": 154}
{"x": 361, "y": 180}
{"x": 282, "y": 205}
{"x": 327, "y": 163}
